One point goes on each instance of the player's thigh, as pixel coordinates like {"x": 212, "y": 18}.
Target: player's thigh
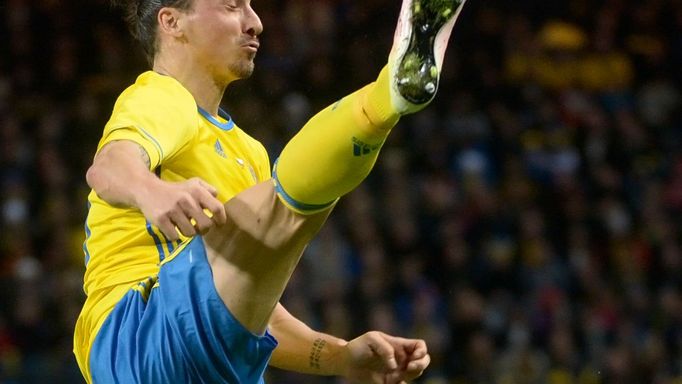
{"x": 214, "y": 343}
{"x": 179, "y": 331}
{"x": 254, "y": 255}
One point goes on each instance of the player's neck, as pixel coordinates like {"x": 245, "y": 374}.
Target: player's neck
{"x": 200, "y": 83}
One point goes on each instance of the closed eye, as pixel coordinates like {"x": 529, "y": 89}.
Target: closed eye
{"x": 231, "y": 5}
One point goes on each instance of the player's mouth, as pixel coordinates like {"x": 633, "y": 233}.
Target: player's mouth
{"x": 251, "y": 45}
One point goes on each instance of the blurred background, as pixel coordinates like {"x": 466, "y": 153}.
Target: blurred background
{"x": 527, "y": 224}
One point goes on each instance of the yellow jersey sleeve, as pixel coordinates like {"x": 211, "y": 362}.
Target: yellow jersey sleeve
{"x": 157, "y": 113}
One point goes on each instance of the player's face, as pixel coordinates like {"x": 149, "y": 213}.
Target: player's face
{"x": 223, "y": 36}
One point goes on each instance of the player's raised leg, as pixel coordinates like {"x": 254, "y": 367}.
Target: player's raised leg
{"x": 253, "y": 256}
{"x": 335, "y": 151}
{"x": 255, "y": 253}
{"x": 419, "y": 45}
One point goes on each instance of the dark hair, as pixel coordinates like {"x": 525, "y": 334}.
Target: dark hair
{"x": 141, "y": 18}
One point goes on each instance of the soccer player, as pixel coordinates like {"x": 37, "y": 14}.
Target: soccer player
{"x": 191, "y": 239}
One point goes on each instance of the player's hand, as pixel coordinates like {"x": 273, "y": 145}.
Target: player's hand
{"x": 181, "y": 205}
{"x": 376, "y": 357}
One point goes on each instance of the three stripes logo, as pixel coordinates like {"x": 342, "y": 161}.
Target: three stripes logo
{"x": 219, "y": 149}
{"x": 360, "y": 148}
{"x": 221, "y": 152}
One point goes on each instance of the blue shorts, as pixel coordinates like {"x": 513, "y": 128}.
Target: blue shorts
{"x": 176, "y": 329}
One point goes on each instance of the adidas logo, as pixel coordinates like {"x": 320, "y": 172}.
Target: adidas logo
{"x": 360, "y": 148}
{"x": 219, "y": 149}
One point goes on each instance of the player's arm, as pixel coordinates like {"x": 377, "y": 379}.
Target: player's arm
{"x": 373, "y": 357}
{"x": 302, "y": 349}
{"x": 121, "y": 176}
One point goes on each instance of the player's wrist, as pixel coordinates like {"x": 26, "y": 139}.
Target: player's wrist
{"x": 332, "y": 358}
{"x": 143, "y": 188}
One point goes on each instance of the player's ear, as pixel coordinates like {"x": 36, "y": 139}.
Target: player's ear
{"x": 170, "y": 21}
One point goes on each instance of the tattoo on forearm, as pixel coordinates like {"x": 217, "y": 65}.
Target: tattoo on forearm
{"x": 145, "y": 156}
{"x": 316, "y": 352}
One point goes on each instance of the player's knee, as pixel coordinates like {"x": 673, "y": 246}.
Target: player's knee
{"x": 284, "y": 229}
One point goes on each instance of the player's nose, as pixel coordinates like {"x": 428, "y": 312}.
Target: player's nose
{"x": 252, "y": 23}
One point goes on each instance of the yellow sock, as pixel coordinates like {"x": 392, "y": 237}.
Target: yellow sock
{"x": 336, "y": 149}
{"x": 377, "y": 102}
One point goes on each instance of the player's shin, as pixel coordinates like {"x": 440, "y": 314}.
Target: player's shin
{"x": 336, "y": 149}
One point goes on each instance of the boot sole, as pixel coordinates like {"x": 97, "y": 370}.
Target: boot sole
{"x": 418, "y": 74}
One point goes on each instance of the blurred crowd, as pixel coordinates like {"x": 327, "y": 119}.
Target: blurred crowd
{"x": 527, "y": 224}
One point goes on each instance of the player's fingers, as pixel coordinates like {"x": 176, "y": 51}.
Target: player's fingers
{"x": 417, "y": 349}
{"x": 217, "y": 209}
{"x": 166, "y": 227}
{"x": 382, "y": 348}
{"x": 396, "y": 377}
{"x": 416, "y": 358}
{"x": 183, "y": 223}
{"x": 202, "y": 223}
{"x": 219, "y": 213}
{"x": 414, "y": 348}
{"x": 401, "y": 355}
{"x": 211, "y": 189}
{"x": 407, "y": 349}
{"x": 415, "y": 368}
{"x": 198, "y": 218}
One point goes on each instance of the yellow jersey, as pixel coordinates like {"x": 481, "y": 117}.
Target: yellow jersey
{"x": 183, "y": 141}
